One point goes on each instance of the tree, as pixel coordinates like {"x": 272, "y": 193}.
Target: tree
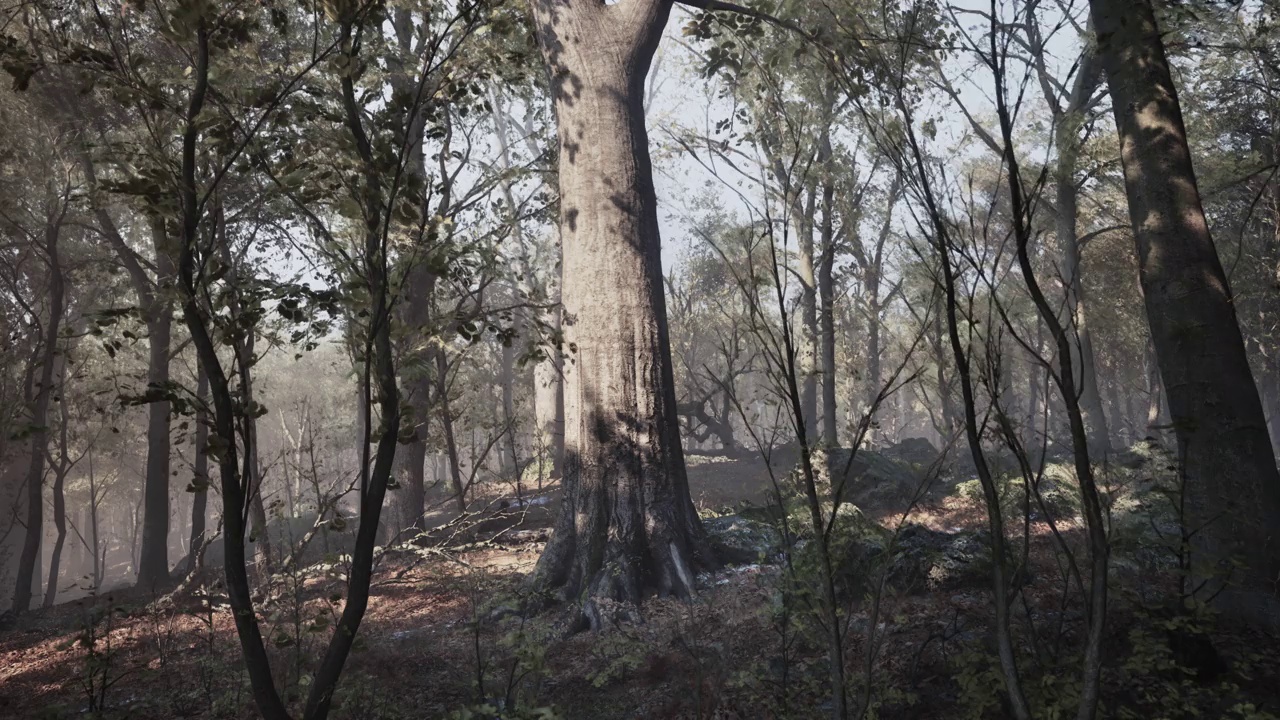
{"x": 1232, "y": 484}
{"x": 44, "y": 231}
{"x": 626, "y": 522}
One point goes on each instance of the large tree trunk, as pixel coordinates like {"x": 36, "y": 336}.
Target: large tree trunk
{"x": 153, "y": 560}
{"x": 418, "y": 290}
{"x": 627, "y": 522}
{"x": 30, "y": 556}
{"x": 1232, "y": 485}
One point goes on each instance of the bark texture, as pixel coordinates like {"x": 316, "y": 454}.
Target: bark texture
{"x": 1232, "y": 485}
{"x": 627, "y": 522}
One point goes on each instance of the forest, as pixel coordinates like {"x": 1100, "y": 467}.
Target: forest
{"x": 611, "y": 359}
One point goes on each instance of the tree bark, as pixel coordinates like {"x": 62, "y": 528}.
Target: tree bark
{"x": 1232, "y": 485}
{"x": 548, "y": 401}
{"x": 627, "y": 522}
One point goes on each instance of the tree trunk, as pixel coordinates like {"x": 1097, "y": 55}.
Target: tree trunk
{"x": 413, "y": 496}
{"x": 510, "y": 463}
{"x": 446, "y": 424}
{"x": 99, "y": 553}
{"x": 808, "y": 316}
{"x": 419, "y": 291}
{"x": 153, "y": 560}
{"x": 59, "y": 495}
{"x": 1083, "y": 358}
{"x": 945, "y": 398}
{"x": 627, "y": 522}
{"x": 1232, "y": 485}
{"x": 200, "y": 501}
{"x": 243, "y": 346}
{"x": 826, "y": 291}
{"x": 30, "y": 556}
{"x": 1035, "y": 376}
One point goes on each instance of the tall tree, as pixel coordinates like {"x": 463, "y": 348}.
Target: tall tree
{"x": 156, "y": 307}
{"x": 1232, "y": 489}
{"x": 55, "y": 214}
{"x": 627, "y": 522}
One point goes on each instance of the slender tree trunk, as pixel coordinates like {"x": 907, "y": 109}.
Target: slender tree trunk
{"x": 875, "y": 375}
{"x": 826, "y": 289}
{"x": 1232, "y": 485}
{"x": 1034, "y": 379}
{"x": 158, "y": 312}
{"x": 153, "y": 561}
{"x": 627, "y": 522}
{"x": 808, "y": 315}
{"x": 446, "y": 425}
{"x": 95, "y": 501}
{"x": 259, "y": 529}
{"x": 872, "y": 279}
{"x": 507, "y": 372}
{"x": 59, "y": 496}
{"x": 1067, "y": 138}
{"x": 1082, "y": 348}
{"x": 29, "y": 559}
{"x": 413, "y": 498}
{"x": 945, "y": 398}
{"x": 200, "y": 500}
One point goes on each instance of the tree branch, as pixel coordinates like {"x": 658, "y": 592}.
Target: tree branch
{"x": 718, "y": 6}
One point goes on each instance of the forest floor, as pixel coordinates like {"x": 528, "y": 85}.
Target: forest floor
{"x": 436, "y": 633}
